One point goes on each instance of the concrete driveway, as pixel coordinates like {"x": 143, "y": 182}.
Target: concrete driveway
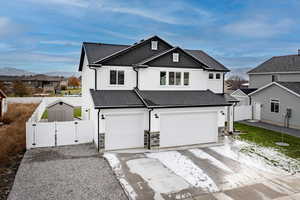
{"x": 207, "y": 173}
{"x": 70, "y": 172}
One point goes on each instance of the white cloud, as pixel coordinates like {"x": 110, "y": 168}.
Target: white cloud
{"x": 259, "y": 27}
{"x": 61, "y": 42}
{"x": 74, "y": 3}
{"x": 7, "y": 27}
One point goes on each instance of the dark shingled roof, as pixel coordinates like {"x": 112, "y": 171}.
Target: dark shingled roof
{"x": 248, "y": 90}
{"x": 173, "y": 98}
{"x": 98, "y": 51}
{"x": 116, "y": 98}
{"x": 290, "y": 63}
{"x": 293, "y": 86}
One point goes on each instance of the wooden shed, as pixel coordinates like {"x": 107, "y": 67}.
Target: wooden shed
{"x": 60, "y": 111}
{"x": 3, "y": 103}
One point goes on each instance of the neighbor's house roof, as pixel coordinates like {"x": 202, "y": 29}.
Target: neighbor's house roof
{"x": 116, "y": 99}
{"x": 292, "y": 87}
{"x": 156, "y": 99}
{"x": 289, "y": 63}
{"x": 98, "y": 52}
{"x": 248, "y": 90}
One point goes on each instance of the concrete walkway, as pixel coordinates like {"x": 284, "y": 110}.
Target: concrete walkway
{"x": 289, "y": 131}
{"x": 66, "y": 173}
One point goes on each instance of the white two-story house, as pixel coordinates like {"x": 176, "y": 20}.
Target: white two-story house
{"x": 152, "y": 94}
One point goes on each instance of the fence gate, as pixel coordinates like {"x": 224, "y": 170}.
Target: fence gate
{"x": 257, "y": 111}
{"x": 49, "y": 134}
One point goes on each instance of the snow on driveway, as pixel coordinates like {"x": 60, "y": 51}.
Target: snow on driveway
{"x": 159, "y": 178}
{"x": 184, "y": 167}
{"x": 116, "y": 167}
{"x": 203, "y": 155}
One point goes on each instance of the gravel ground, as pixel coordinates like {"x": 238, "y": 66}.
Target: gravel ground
{"x": 70, "y": 172}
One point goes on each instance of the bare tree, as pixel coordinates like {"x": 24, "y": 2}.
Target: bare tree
{"x": 235, "y": 82}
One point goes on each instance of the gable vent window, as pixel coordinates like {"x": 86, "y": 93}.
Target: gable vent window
{"x": 218, "y": 76}
{"x": 211, "y": 76}
{"x": 117, "y": 77}
{"x": 154, "y": 45}
{"x": 274, "y": 106}
{"x": 175, "y": 57}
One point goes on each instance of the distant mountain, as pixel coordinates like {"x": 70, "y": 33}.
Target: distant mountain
{"x": 10, "y": 71}
{"x": 64, "y": 74}
{"x": 242, "y": 72}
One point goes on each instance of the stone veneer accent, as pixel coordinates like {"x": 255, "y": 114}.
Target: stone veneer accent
{"x": 153, "y": 138}
{"x": 101, "y": 141}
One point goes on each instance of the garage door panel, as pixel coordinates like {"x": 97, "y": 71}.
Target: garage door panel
{"x": 124, "y": 131}
{"x": 178, "y": 129}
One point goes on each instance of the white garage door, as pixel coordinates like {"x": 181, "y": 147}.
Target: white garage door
{"x": 124, "y": 131}
{"x": 179, "y": 129}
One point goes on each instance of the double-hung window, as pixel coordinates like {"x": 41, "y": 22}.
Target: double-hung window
{"x": 178, "y": 78}
{"x": 274, "y": 106}
{"x": 171, "y": 78}
{"x": 117, "y": 77}
{"x": 211, "y": 76}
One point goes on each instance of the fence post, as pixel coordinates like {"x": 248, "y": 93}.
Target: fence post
{"x": 34, "y": 134}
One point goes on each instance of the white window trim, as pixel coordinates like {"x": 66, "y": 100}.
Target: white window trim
{"x": 175, "y": 57}
{"x": 154, "y": 45}
{"x": 275, "y": 100}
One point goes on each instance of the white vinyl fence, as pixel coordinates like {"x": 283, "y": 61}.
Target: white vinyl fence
{"x": 242, "y": 113}
{"x": 49, "y": 134}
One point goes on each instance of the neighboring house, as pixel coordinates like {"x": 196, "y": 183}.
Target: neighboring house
{"x": 152, "y": 94}
{"x": 278, "y": 68}
{"x": 3, "y": 103}
{"x": 242, "y": 96}
{"x": 280, "y": 103}
{"x": 278, "y": 80}
{"x": 35, "y": 81}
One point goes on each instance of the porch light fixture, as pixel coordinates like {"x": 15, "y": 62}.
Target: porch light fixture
{"x": 102, "y": 116}
{"x": 156, "y": 116}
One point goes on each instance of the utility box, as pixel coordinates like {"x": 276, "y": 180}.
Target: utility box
{"x": 60, "y": 111}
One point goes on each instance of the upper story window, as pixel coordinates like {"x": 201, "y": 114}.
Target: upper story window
{"x": 218, "y": 76}
{"x": 154, "y": 45}
{"x": 186, "y": 78}
{"x": 211, "y": 76}
{"x": 174, "y": 78}
{"x": 116, "y": 77}
{"x": 163, "y": 78}
{"x": 274, "y": 78}
{"x": 274, "y": 106}
{"x": 175, "y": 57}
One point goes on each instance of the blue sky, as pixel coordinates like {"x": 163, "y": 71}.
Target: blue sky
{"x": 46, "y": 35}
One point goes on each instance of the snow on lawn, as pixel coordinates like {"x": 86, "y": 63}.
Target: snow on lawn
{"x": 263, "y": 158}
{"x": 203, "y": 155}
{"x": 185, "y": 168}
{"x": 117, "y": 168}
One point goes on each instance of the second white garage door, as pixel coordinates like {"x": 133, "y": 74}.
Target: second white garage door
{"x": 178, "y": 129}
{"x": 124, "y": 131}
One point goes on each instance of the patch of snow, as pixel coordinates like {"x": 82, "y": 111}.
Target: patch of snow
{"x": 117, "y": 168}
{"x": 185, "y": 168}
{"x": 158, "y": 177}
{"x": 253, "y": 155}
{"x": 203, "y": 155}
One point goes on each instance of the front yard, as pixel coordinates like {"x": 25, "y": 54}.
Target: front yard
{"x": 267, "y": 138}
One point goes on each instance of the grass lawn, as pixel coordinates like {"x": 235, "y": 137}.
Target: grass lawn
{"x": 71, "y": 91}
{"x": 77, "y": 113}
{"x": 268, "y": 138}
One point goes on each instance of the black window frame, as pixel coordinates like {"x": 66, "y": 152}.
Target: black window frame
{"x": 163, "y": 77}
{"x": 119, "y": 77}
{"x": 211, "y": 76}
{"x": 177, "y": 79}
{"x": 218, "y": 76}
{"x": 172, "y": 78}
{"x": 184, "y": 78}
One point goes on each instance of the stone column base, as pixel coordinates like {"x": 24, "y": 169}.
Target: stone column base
{"x": 151, "y": 140}
{"x": 101, "y": 141}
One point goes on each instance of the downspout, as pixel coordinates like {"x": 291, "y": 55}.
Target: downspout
{"x": 98, "y": 130}
{"x": 93, "y": 66}
{"x": 149, "y": 140}
{"x": 223, "y": 83}
{"x": 137, "y": 77}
